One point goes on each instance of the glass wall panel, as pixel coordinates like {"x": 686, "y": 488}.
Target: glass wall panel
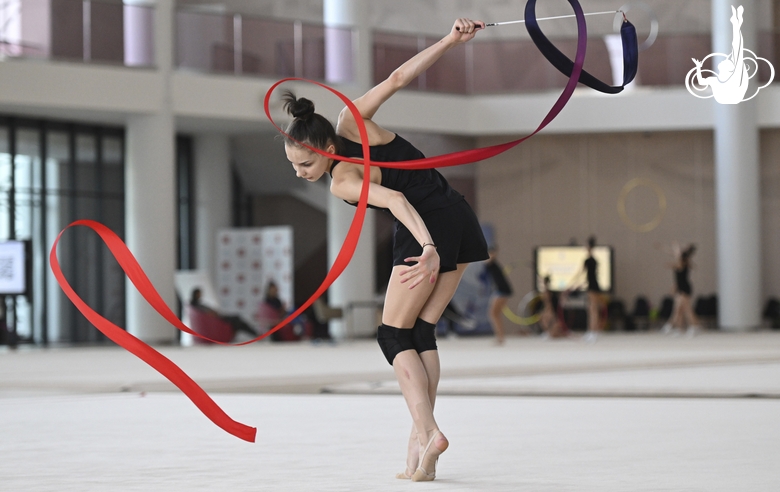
{"x": 204, "y": 42}
{"x": 50, "y": 175}
{"x": 267, "y": 47}
{"x": 106, "y": 38}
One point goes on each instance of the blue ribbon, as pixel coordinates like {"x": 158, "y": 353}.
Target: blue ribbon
{"x": 565, "y": 65}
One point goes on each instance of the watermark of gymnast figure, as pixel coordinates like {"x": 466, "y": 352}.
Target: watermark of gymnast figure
{"x": 730, "y": 84}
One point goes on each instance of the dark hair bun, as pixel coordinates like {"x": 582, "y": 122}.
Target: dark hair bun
{"x": 299, "y": 108}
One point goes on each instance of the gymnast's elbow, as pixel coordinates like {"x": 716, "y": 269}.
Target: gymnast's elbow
{"x": 398, "y": 79}
{"x": 395, "y": 201}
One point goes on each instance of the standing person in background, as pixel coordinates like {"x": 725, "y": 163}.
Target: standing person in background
{"x": 682, "y": 315}
{"x": 552, "y": 326}
{"x": 590, "y": 270}
{"x": 503, "y": 291}
{"x": 436, "y": 234}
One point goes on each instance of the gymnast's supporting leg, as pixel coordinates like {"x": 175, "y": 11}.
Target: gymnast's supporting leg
{"x": 495, "y": 313}
{"x": 425, "y": 345}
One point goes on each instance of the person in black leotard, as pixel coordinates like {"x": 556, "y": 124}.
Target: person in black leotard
{"x": 682, "y": 314}
{"x": 436, "y": 235}
{"x": 503, "y": 290}
{"x": 595, "y": 299}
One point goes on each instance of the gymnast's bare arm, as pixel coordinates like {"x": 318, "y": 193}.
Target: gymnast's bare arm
{"x": 462, "y": 31}
{"x": 347, "y": 183}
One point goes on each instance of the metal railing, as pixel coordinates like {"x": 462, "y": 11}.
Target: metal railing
{"x": 82, "y": 30}
{"x": 104, "y": 31}
{"x": 256, "y": 46}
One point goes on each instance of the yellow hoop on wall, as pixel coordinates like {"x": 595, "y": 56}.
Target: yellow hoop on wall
{"x": 628, "y": 188}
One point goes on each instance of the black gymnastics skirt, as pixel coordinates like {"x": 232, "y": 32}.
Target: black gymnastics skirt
{"x": 455, "y": 231}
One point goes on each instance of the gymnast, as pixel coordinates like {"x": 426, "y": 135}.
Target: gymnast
{"x": 436, "y": 235}
{"x": 595, "y": 300}
{"x": 682, "y": 313}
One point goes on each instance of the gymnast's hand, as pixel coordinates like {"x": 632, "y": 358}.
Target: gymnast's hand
{"x": 465, "y": 29}
{"x": 427, "y": 266}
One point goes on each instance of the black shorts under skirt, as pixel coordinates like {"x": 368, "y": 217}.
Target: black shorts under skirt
{"x": 455, "y": 231}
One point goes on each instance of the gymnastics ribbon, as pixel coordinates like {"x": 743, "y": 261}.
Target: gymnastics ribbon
{"x": 133, "y": 270}
{"x": 566, "y": 66}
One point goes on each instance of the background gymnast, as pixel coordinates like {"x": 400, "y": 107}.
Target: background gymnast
{"x": 682, "y": 313}
{"x": 502, "y": 292}
{"x": 436, "y": 235}
{"x": 590, "y": 270}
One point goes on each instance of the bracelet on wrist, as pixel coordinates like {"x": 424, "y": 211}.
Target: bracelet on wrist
{"x": 429, "y": 244}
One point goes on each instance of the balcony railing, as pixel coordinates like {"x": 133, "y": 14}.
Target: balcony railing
{"x": 255, "y": 46}
{"x": 489, "y": 67}
{"x": 78, "y": 30}
{"x": 105, "y": 31}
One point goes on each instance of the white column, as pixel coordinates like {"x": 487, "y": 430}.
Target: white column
{"x": 342, "y": 57}
{"x": 35, "y": 17}
{"x": 150, "y": 191}
{"x": 212, "y": 196}
{"x": 138, "y": 33}
{"x": 738, "y": 188}
{"x": 357, "y": 283}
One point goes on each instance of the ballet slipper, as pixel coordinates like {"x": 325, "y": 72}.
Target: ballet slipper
{"x": 428, "y": 461}
{"x": 404, "y": 475}
{"x": 411, "y": 464}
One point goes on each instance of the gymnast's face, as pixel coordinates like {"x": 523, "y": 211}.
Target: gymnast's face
{"x": 308, "y": 165}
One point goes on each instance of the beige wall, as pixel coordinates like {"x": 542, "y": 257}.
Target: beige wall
{"x": 770, "y": 205}
{"x": 554, "y": 188}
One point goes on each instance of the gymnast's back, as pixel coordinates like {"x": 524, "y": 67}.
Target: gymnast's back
{"x": 425, "y": 189}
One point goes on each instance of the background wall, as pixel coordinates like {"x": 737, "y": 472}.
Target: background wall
{"x": 553, "y": 189}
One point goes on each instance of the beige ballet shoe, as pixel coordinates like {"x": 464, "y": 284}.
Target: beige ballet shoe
{"x": 428, "y": 462}
{"x": 404, "y": 475}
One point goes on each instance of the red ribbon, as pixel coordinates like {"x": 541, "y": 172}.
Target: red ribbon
{"x": 139, "y": 279}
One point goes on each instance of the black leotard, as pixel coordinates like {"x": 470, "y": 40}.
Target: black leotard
{"x": 425, "y": 189}
{"x": 500, "y": 282}
{"x": 681, "y": 280}
{"x": 451, "y": 222}
{"x": 591, "y": 265}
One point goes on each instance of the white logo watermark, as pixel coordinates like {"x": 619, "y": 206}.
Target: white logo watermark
{"x": 730, "y": 84}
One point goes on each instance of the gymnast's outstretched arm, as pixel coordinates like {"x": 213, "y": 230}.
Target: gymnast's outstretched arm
{"x": 462, "y": 31}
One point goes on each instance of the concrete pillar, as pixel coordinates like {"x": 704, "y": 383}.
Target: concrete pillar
{"x": 737, "y": 187}
{"x": 138, "y": 36}
{"x": 213, "y": 189}
{"x": 357, "y": 283}
{"x": 343, "y": 59}
{"x": 150, "y": 191}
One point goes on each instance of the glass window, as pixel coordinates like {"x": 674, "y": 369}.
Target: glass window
{"x": 50, "y": 175}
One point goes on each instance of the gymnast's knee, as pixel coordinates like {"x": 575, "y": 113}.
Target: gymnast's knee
{"x": 424, "y": 336}
{"x": 393, "y": 341}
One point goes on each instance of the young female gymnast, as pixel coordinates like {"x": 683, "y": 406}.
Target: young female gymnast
{"x": 595, "y": 298}
{"x": 436, "y": 235}
{"x": 682, "y": 314}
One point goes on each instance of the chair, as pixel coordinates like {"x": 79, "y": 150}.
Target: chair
{"x": 667, "y": 306}
{"x": 772, "y": 312}
{"x": 616, "y": 314}
{"x": 641, "y": 314}
{"x": 706, "y": 308}
{"x": 210, "y": 326}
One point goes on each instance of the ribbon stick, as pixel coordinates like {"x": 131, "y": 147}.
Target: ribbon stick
{"x": 522, "y": 21}
{"x": 139, "y": 279}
